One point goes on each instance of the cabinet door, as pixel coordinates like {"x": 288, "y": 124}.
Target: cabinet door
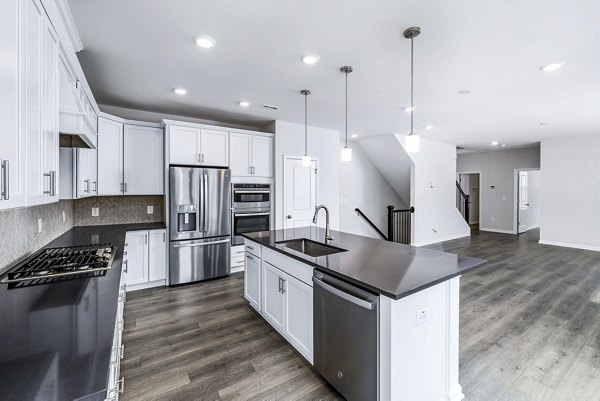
{"x": 143, "y": 160}
{"x": 82, "y": 173}
{"x": 273, "y": 298}
{"x": 110, "y": 157}
{"x": 36, "y": 181}
{"x": 184, "y": 145}
{"x": 93, "y": 171}
{"x": 157, "y": 255}
{"x": 136, "y": 259}
{"x": 262, "y": 156}
{"x": 240, "y": 154}
{"x": 50, "y": 109}
{"x": 214, "y": 148}
{"x": 12, "y": 139}
{"x": 298, "y": 328}
{"x": 252, "y": 281}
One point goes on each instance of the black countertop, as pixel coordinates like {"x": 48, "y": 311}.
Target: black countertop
{"x": 384, "y": 267}
{"x": 55, "y": 339}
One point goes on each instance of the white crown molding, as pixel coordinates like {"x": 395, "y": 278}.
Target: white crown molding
{"x": 67, "y": 18}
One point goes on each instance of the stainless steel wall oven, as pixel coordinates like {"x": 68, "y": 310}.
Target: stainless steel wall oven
{"x": 251, "y": 210}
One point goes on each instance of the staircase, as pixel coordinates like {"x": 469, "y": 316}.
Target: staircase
{"x": 462, "y": 202}
{"x": 399, "y": 223}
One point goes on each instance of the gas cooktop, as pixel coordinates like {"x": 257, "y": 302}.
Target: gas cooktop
{"x": 58, "y": 264}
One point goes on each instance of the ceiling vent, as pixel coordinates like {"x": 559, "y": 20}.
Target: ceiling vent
{"x": 269, "y": 107}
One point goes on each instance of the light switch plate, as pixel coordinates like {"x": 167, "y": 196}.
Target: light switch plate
{"x": 64, "y": 216}
{"x": 422, "y": 316}
{"x": 95, "y": 212}
{"x": 39, "y": 224}
{"x": 150, "y": 209}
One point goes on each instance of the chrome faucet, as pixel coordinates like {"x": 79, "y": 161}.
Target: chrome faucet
{"x": 328, "y": 236}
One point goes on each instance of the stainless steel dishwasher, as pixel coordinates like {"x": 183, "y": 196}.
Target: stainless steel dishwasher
{"x": 346, "y": 337}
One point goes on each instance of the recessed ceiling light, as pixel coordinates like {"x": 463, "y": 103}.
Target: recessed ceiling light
{"x": 494, "y": 143}
{"x": 409, "y": 109}
{"x": 180, "y": 91}
{"x": 545, "y": 123}
{"x": 354, "y": 135}
{"x": 464, "y": 91}
{"x": 503, "y": 145}
{"x": 551, "y": 67}
{"x": 244, "y": 103}
{"x": 204, "y": 41}
{"x": 310, "y": 59}
{"x": 428, "y": 127}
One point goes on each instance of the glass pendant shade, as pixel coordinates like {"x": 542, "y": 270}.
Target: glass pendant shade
{"x": 412, "y": 143}
{"x": 306, "y": 161}
{"x": 346, "y": 154}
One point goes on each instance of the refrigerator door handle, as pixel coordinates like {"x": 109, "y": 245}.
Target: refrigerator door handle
{"x": 201, "y": 243}
{"x": 204, "y": 200}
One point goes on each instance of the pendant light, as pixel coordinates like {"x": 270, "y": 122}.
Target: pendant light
{"x": 346, "y": 151}
{"x": 412, "y": 140}
{"x": 306, "y": 157}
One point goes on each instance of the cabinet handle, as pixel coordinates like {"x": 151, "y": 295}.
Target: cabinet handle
{"x": 253, "y": 170}
{"x": 5, "y": 180}
{"x": 164, "y": 236}
{"x": 121, "y": 187}
{"x": 95, "y": 186}
{"x": 279, "y": 290}
{"x": 126, "y": 266}
{"x": 121, "y": 385}
{"x": 249, "y": 169}
{"x": 145, "y": 238}
{"x": 249, "y": 257}
{"x": 125, "y": 191}
{"x": 53, "y": 177}
{"x": 49, "y": 191}
{"x": 122, "y": 351}
{"x": 283, "y": 286}
{"x": 202, "y": 157}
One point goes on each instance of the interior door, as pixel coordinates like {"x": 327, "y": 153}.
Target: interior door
{"x": 300, "y": 189}
{"x": 523, "y": 202}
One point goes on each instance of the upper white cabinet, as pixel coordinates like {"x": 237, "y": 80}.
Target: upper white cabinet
{"x": 110, "y": 157}
{"x": 143, "y": 160}
{"x": 197, "y": 146}
{"x": 130, "y": 158}
{"x": 251, "y": 155}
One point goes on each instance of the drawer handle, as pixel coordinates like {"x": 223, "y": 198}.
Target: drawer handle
{"x": 121, "y": 385}
{"x": 249, "y": 247}
{"x": 249, "y": 257}
{"x": 122, "y": 351}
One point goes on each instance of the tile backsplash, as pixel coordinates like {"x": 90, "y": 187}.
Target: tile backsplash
{"x": 119, "y": 210}
{"x": 19, "y": 234}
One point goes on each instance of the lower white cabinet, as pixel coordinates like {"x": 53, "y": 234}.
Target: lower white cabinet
{"x": 298, "y": 314}
{"x": 115, "y": 385}
{"x": 273, "y": 297}
{"x": 145, "y": 259}
{"x": 252, "y": 281}
{"x": 237, "y": 258}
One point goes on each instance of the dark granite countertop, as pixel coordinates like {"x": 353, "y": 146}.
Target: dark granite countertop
{"x": 384, "y": 267}
{"x": 55, "y": 339}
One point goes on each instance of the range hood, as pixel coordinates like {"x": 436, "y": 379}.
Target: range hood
{"x": 77, "y": 123}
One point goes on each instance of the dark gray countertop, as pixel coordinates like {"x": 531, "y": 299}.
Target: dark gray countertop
{"x": 384, "y": 267}
{"x": 55, "y": 339}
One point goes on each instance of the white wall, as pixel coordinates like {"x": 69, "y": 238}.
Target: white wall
{"x": 362, "y": 186}
{"x": 570, "y": 192}
{"x": 433, "y": 194}
{"x": 533, "y": 198}
{"x": 498, "y": 205}
{"x": 323, "y": 144}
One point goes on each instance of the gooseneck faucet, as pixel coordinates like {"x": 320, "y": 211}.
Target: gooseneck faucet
{"x": 328, "y": 236}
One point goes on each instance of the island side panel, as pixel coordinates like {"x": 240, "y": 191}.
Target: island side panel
{"x": 419, "y": 357}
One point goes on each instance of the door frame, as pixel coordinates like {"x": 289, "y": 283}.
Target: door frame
{"x": 516, "y": 197}
{"x": 458, "y": 173}
{"x": 284, "y": 183}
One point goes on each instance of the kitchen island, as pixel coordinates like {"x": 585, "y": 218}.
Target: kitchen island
{"x": 405, "y": 298}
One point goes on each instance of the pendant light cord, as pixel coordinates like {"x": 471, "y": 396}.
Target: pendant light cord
{"x": 346, "y": 108}
{"x": 412, "y": 107}
{"x": 305, "y": 124}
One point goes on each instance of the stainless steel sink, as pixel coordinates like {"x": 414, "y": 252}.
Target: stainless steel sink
{"x": 310, "y": 247}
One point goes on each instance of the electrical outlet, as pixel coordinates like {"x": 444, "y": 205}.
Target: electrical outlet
{"x": 150, "y": 209}
{"x": 39, "y": 224}
{"x": 422, "y": 316}
{"x": 64, "y": 216}
{"x": 95, "y": 212}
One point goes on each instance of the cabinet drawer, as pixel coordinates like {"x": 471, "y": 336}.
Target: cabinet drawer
{"x": 301, "y": 271}
{"x": 253, "y": 248}
{"x": 237, "y": 261}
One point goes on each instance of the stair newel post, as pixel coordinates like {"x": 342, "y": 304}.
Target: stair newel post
{"x": 390, "y": 233}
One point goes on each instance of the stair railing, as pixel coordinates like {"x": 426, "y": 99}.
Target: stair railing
{"x": 364, "y": 216}
{"x": 462, "y": 202}
{"x": 400, "y": 224}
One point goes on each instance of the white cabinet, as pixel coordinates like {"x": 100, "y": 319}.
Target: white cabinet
{"x": 252, "y": 281}
{"x": 196, "y": 146}
{"x": 12, "y": 136}
{"x": 110, "y": 157}
{"x": 298, "y": 327}
{"x": 273, "y": 301}
{"x": 145, "y": 258}
{"x": 142, "y": 160}
{"x": 86, "y": 172}
{"x": 251, "y": 155}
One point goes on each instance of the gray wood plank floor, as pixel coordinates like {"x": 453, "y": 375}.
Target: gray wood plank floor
{"x": 529, "y": 330}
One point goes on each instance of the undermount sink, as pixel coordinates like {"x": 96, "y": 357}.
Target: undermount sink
{"x": 310, "y": 247}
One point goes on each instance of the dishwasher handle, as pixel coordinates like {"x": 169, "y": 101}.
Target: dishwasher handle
{"x": 368, "y": 304}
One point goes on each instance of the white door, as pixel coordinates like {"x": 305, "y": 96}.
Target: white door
{"x": 240, "y": 154}
{"x": 136, "y": 257}
{"x": 157, "y": 255}
{"x": 300, "y": 190}
{"x": 214, "y": 148}
{"x": 12, "y": 139}
{"x": 252, "y": 281}
{"x": 273, "y": 298}
{"x": 184, "y": 145}
{"x": 262, "y": 156}
{"x": 50, "y": 109}
{"x": 523, "y": 202}
{"x": 299, "y": 315}
{"x": 110, "y": 157}
{"x": 143, "y": 160}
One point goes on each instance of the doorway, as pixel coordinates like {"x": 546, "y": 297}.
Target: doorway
{"x": 470, "y": 183}
{"x": 527, "y": 200}
{"x": 299, "y": 192}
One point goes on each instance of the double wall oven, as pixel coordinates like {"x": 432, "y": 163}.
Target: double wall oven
{"x": 251, "y": 210}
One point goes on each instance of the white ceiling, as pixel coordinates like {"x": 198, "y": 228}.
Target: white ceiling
{"x": 137, "y": 51}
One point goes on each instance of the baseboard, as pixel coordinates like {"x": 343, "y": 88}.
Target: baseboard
{"x": 235, "y": 269}
{"x": 568, "y": 245}
{"x": 533, "y": 227}
{"x": 495, "y": 230}
{"x": 438, "y": 240}
{"x": 143, "y": 286}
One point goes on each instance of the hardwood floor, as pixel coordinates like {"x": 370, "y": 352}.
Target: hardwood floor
{"x": 529, "y": 327}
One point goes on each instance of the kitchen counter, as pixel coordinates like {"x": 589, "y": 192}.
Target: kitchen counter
{"x": 387, "y": 268}
{"x": 55, "y": 339}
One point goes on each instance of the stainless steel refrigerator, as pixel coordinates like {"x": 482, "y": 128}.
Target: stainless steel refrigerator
{"x": 200, "y": 224}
